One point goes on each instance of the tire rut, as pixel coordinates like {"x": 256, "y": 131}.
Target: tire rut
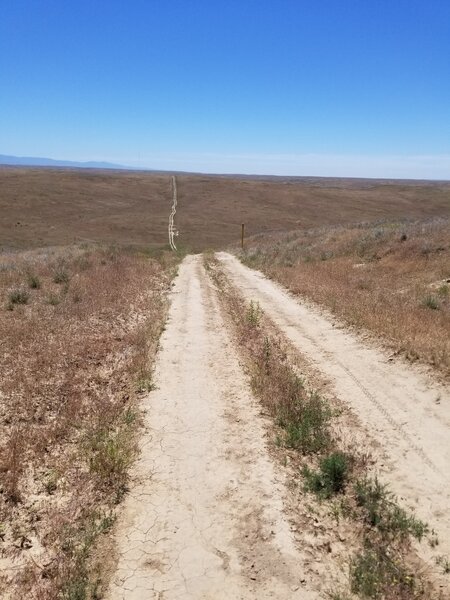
{"x": 395, "y": 402}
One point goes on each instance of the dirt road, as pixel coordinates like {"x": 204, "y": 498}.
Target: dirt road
{"x": 205, "y": 520}
{"x": 401, "y": 407}
{"x": 172, "y": 213}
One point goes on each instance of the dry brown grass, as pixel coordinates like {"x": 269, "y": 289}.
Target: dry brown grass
{"x": 391, "y": 278}
{"x": 62, "y": 206}
{"x": 74, "y": 355}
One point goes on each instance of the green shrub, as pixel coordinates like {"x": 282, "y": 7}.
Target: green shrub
{"x": 331, "y": 477}
{"x": 61, "y": 276}
{"x": 383, "y": 513}
{"x": 254, "y": 314}
{"x": 430, "y": 302}
{"x": 307, "y": 429}
{"x": 34, "y": 282}
{"x": 19, "y": 296}
{"x": 53, "y": 299}
{"x": 375, "y": 574}
{"x": 109, "y": 456}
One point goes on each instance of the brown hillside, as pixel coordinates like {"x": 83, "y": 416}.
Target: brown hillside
{"x": 41, "y": 206}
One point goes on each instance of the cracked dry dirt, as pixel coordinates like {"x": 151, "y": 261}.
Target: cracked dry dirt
{"x": 204, "y": 519}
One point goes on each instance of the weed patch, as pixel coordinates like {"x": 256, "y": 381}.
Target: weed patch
{"x": 34, "y": 282}
{"x": 19, "y": 296}
{"x": 331, "y": 478}
{"x": 381, "y": 511}
{"x": 375, "y": 574}
{"x": 61, "y": 276}
{"x": 430, "y": 302}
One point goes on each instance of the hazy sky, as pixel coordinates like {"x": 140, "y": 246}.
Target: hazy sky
{"x": 348, "y": 87}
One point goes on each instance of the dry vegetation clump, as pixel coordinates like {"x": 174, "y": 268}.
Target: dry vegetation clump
{"x": 392, "y": 278}
{"x": 79, "y": 328}
{"x": 381, "y": 564}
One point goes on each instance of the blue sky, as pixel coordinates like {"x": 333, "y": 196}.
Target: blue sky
{"x": 348, "y": 87}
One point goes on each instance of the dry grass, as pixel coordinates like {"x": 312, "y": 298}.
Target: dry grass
{"x": 391, "y": 278}
{"x": 73, "y": 357}
{"x": 62, "y": 206}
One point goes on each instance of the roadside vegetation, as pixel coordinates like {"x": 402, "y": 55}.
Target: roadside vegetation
{"x": 79, "y": 328}
{"x": 391, "y": 278}
{"x": 336, "y": 476}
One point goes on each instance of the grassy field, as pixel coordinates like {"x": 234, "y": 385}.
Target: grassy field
{"x": 392, "y": 278}
{"x": 79, "y": 330}
{"x": 46, "y": 207}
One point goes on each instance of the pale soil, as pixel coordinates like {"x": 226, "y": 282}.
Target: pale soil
{"x": 403, "y": 409}
{"x": 205, "y": 518}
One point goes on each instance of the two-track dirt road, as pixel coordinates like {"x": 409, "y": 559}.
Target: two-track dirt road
{"x": 205, "y": 519}
{"x": 403, "y": 409}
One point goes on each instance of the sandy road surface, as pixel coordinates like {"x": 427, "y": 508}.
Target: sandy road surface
{"x": 402, "y": 407}
{"x": 205, "y": 519}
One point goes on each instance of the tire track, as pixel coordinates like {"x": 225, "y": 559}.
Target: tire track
{"x": 404, "y": 410}
{"x": 172, "y": 231}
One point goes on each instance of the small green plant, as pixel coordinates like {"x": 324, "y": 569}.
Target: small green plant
{"x": 19, "y": 296}
{"x": 78, "y": 544}
{"x": 33, "y": 281}
{"x": 375, "y": 574}
{"x": 145, "y": 383}
{"x": 53, "y": 299}
{"x": 383, "y": 513}
{"x": 433, "y": 540}
{"x": 307, "y": 426}
{"x": 51, "y": 482}
{"x": 130, "y": 416}
{"x": 444, "y": 562}
{"x": 331, "y": 477}
{"x": 110, "y": 455}
{"x": 254, "y": 314}
{"x": 430, "y": 302}
{"x": 61, "y": 276}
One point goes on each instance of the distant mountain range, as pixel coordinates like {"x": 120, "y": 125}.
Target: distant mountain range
{"x": 33, "y": 161}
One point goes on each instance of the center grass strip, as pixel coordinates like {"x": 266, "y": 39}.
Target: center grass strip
{"x": 382, "y": 567}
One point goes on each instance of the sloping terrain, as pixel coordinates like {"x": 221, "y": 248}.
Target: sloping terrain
{"x": 391, "y": 278}
{"x": 46, "y": 206}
